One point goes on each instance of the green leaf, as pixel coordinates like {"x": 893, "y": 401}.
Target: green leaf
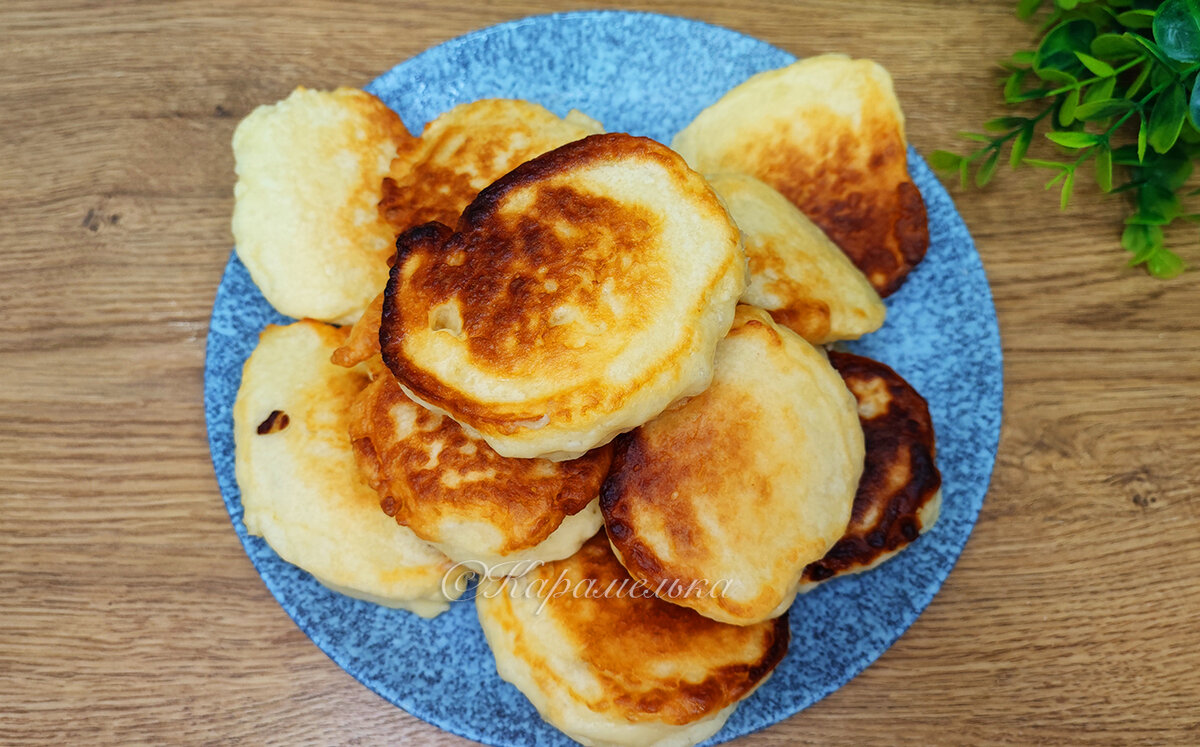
{"x": 1073, "y": 139}
{"x": 1152, "y": 48}
{"x": 1037, "y": 162}
{"x": 1177, "y": 30}
{"x": 1020, "y": 146}
{"x": 1024, "y": 57}
{"x": 1114, "y": 47}
{"x": 978, "y": 137}
{"x": 1026, "y": 8}
{"x": 1012, "y": 86}
{"x": 1164, "y": 264}
{"x": 1003, "y": 124}
{"x": 1142, "y": 75}
{"x": 1136, "y": 19}
{"x": 1170, "y": 172}
{"x": 962, "y": 173}
{"x": 1058, "y": 178}
{"x": 1057, "y": 49}
{"x": 1098, "y": 67}
{"x": 1066, "y": 4}
{"x": 1141, "y": 239}
{"x": 1103, "y": 109}
{"x": 944, "y": 160}
{"x": 1068, "y": 185}
{"x": 1157, "y": 204}
{"x": 1104, "y": 175}
{"x": 1142, "y": 130}
{"x": 1066, "y": 107}
{"x": 1101, "y": 90}
{"x": 1167, "y": 118}
{"x": 1195, "y": 105}
{"x": 984, "y": 175}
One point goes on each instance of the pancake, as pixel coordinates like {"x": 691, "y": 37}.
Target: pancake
{"x": 490, "y": 512}
{"x": 466, "y": 149}
{"x": 580, "y": 295}
{"x": 828, "y": 133}
{"x": 304, "y": 218}
{"x": 300, "y": 487}
{"x": 608, "y": 663}
{"x": 899, "y": 496}
{"x": 797, "y": 274}
{"x": 743, "y": 485}
{"x": 362, "y": 343}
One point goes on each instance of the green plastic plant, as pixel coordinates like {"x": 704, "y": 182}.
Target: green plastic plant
{"x": 1113, "y": 82}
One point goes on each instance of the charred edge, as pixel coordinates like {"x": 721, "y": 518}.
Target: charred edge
{"x": 907, "y": 431}
{"x": 559, "y": 160}
{"x": 275, "y": 422}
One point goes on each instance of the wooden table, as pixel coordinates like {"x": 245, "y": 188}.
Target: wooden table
{"x": 128, "y": 611}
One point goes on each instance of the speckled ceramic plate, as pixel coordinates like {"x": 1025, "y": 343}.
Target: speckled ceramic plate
{"x": 647, "y": 75}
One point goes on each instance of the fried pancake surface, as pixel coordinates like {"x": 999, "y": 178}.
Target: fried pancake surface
{"x": 457, "y": 493}
{"x": 797, "y": 274}
{"x": 745, "y": 484}
{"x": 300, "y": 487}
{"x": 435, "y": 177}
{"x": 899, "y": 495}
{"x": 828, "y": 133}
{"x": 608, "y": 663}
{"x": 304, "y": 219}
{"x": 581, "y": 294}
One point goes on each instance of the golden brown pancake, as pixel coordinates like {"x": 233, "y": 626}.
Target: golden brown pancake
{"x": 797, "y": 274}
{"x": 745, "y": 484}
{"x": 899, "y": 495}
{"x": 828, "y": 133}
{"x": 362, "y": 343}
{"x": 457, "y": 493}
{"x": 608, "y": 663}
{"x": 300, "y": 487}
{"x": 305, "y": 222}
{"x": 466, "y": 149}
{"x": 580, "y": 295}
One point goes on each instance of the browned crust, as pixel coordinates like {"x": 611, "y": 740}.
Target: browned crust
{"x": 858, "y": 191}
{"x": 899, "y": 444}
{"x": 527, "y": 499}
{"x": 616, "y": 634}
{"x": 500, "y": 330}
{"x": 628, "y": 461}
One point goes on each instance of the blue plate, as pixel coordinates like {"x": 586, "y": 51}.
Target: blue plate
{"x": 647, "y": 75}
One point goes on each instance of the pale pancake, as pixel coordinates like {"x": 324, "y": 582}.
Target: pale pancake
{"x": 466, "y": 149}
{"x": 300, "y": 487}
{"x": 796, "y": 273}
{"x": 899, "y": 496}
{"x": 744, "y": 485}
{"x": 305, "y": 219}
{"x": 581, "y": 294}
{"x": 490, "y": 512}
{"x": 608, "y": 663}
{"x": 828, "y": 133}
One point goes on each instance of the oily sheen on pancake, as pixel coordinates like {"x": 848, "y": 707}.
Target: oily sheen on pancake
{"x": 300, "y": 486}
{"x": 743, "y": 485}
{"x": 490, "y": 512}
{"x": 828, "y": 133}
{"x": 305, "y": 219}
{"x": 435, "y": 177}
{"x": 580, "y": 295}
{"x": 797, "y": 274}
{"x": 608, "y": 663}
{"x": 899, "y": 495}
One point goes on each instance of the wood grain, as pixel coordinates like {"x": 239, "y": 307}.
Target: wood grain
{"x": 128, "y": 611}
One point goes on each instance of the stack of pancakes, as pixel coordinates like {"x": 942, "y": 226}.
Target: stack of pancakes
{"x": 592, "y": 374}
